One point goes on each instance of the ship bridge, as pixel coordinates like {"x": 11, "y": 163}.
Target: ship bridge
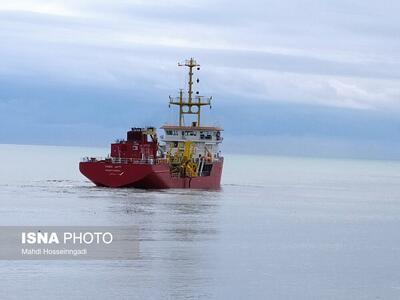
{"x": 204, "y": 139}
{"x": 192, "y": 133}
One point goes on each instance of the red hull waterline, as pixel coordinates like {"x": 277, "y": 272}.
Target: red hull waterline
{"x": 147, "y": 176}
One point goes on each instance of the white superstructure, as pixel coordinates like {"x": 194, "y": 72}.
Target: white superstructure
{"x": 205, "y": 140}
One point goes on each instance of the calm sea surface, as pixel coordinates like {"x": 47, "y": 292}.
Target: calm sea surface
{"x": 280, "y": 228}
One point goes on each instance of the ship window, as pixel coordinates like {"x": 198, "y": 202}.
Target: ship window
{"x": 190, "y": 133}
{"x": 171, "y": 132}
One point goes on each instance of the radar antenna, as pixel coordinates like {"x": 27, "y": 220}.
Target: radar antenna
{"x": 190, "y": 105}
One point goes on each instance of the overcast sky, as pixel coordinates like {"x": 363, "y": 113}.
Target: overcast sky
{"x": 320, "y": 74}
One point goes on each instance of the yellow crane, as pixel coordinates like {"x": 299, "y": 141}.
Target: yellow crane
{"x": 182, "y": 161}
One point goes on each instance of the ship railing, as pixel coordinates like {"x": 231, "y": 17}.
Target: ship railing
{"x": 120, "y": 160}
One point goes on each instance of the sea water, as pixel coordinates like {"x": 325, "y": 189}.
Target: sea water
{"x": 279, "y": 228}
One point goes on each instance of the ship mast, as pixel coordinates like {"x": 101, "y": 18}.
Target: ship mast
{"x": 190, "y": 105}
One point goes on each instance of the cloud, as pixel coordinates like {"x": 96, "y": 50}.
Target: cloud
{"x": 56, "y": 8}
{"x": 337, "y": 53}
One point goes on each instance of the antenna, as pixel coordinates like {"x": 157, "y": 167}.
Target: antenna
{"x": 191, "y": 105}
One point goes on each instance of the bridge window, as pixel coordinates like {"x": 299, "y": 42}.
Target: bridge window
{"x": 171, "y": 132}
{"x": 190, "y": 133}
{"x": 205, "y": 135}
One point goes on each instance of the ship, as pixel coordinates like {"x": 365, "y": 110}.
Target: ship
{"x": 185, "y": 156}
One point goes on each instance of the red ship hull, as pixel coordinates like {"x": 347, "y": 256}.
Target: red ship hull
{"x": 147, "y": 176}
